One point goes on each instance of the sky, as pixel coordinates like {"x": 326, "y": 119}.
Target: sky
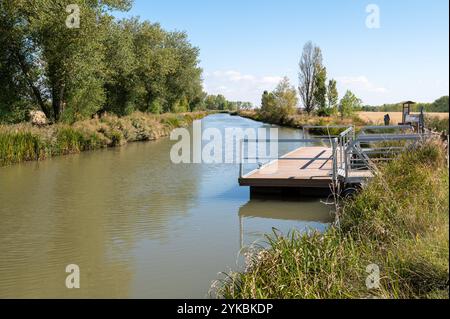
{"x": 247, "y": 46}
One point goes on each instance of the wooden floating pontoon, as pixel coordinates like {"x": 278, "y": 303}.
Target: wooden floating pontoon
{"x": 347, "y": 161}
{"x": 304, "y": 167}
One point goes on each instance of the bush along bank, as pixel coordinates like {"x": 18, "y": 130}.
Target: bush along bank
{"x": 24, "y": 142}
{"x": 397, "y": 225}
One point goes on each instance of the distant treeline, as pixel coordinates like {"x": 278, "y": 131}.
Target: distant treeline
{"x": 440, "y": 105}
{"x": 71, "y": 70}
{"x": 220, "y": 103}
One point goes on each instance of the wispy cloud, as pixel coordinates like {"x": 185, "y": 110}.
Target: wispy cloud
{"x": 360, "y": 83}
{"x": 236, "y": 85}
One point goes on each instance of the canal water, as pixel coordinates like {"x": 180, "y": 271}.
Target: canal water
{"x": 137, "y": 225}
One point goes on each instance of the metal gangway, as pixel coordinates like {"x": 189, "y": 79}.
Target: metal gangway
{"x": 355, "y": 157}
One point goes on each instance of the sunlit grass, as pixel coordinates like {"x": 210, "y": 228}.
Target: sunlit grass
{"x": 398, "y": 222}
{"x": 23, "y": 142}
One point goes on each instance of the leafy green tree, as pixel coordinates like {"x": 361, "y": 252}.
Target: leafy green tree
{"x": 320, "y": 93}
{"x": 268, "y": 103}
{"x": 440, "y": 105}
{"x": 185, "y": 82}
{"x": 62, "y": 67}
{"x": 21, "y": 80}
{"x": 222, "y": 103}
{"x": 280, "y": 103}
{"x": 332, "y": 95}
{"x": 121, "y": 83}
{"x": 348, "y": 104}
{"x": 210, "y": 102}
{"x": 285, "y": 98}
{"x": 70, "y": 73}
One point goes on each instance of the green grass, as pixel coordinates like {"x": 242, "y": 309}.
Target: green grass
{"x": 23, "y": 142}
{"x": 398, "y": 222}
{"x": 21, "y": 146}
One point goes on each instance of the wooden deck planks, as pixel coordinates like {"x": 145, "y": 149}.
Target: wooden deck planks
{"x": 289, "y": 172}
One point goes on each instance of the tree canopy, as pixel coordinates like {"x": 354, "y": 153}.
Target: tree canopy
{"x": 281, "y": 102}
{"x": 72, "y": 72}
{"x": 349, "y": 104}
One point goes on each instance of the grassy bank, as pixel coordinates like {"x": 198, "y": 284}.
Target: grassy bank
{"x": 399, "y": 222}
{"x": 24, "y": 142}
{"x": 302, "y": 120}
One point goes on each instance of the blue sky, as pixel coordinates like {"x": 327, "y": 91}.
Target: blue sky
{"x": 248, "y": 45}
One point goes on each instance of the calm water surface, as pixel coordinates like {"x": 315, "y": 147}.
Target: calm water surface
{"x": 136, "y": 224}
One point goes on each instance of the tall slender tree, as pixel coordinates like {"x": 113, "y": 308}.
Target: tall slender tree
{"x": 310, "y": 63}
{"x": 332, "y": 94}
{"x": 320, "y": 92}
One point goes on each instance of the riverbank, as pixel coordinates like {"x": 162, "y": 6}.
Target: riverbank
{"x": 25, "y": 142}
{"x": 435, "y": 121}
{"x": 299, "y": 121}
{"x": 398, "y": 224}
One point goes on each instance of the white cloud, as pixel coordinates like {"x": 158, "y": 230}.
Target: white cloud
{"x": 369, "y": 92}
{"x": 271, "y": 79}
{"x": 360, "y": 83}
{"x": 238, "y": 86}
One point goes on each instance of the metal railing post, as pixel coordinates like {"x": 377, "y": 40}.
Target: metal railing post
{"x": 334, "y": 144}
{"x": 347, "y": 160}
{"x": 241, "y": 162}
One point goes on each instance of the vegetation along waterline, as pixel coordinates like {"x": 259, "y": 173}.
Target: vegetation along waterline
{"x": 399, "y": 223}
{"x": 438, "y": 122}
{"x": 25, "y": 142}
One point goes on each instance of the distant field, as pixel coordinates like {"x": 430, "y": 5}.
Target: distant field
{"x": 396, "y": 117}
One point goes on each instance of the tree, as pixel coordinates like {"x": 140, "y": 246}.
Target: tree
{"x": 285, "y": 98}
{"x": 310, "y": 64}
{"x": 320, "y": 93}
{"x": 121, "y": 87}
{"x": 71, "y": 73}
{"x": 440, "y": 105}
{"x": 348, "y": 104}
{"x": 21, "y": 82}
{"x": 184, "y": 83}
{"x": 221, "y": 102}
{"x": 268, "y": 104}
{"x": 280, "y": 103}
{"x": 332, "y": 95}
{"x": 63, "y": 68}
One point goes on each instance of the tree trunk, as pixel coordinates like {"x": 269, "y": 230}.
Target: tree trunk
{"x": 57, "y": 100}
{"x": 36, "y": 93}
